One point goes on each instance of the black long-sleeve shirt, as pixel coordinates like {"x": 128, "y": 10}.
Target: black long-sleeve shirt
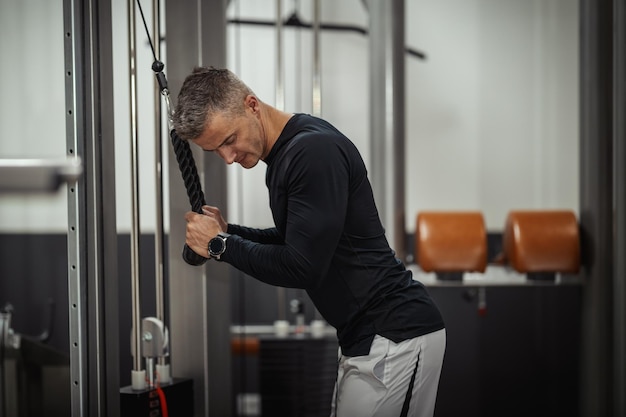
{"x": 328, "y": 240}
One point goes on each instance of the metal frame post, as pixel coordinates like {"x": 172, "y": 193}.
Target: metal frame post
{"x": 387, "y": 116}
{"x": 619, "y": 206}
{"x": 92, "y": 235}
{"x": 159, "y": 234}
{"x": 199, "y": 297}
{"x": 596, "y": 203}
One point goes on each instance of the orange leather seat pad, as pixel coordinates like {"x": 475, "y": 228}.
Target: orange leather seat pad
{"x": 542, "y": 241}
{"x": 451, "y": 241}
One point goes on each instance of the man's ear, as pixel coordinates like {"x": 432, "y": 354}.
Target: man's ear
{"x": 252, "y": 103}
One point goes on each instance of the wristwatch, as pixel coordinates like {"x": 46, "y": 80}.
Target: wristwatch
{"x": 217, "y": 245}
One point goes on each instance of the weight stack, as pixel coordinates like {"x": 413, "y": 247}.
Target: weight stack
{"x": 297, "y": 375}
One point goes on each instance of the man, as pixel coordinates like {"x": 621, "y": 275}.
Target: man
{"x": 327, "y": 239}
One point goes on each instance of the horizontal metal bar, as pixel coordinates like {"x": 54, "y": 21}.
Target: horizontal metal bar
{"x": 37, "y": 175}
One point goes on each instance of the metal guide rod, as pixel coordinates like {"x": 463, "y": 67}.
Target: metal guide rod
{"x": 159, "y": 235}
{"x": 134, "y": 233}
{"x": 317, "y": 86}
{"x": 280, "y": 105}
{"x": 280, "y": 78}
{"x": 317, "y": 76}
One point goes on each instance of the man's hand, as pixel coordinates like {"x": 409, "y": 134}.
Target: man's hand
{"x": 217, "y": 215}
{"x": 202, "y": 228}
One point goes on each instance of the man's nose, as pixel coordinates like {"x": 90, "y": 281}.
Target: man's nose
{"x": 228, "y": 155}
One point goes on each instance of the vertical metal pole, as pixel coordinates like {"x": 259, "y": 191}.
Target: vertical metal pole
{"x": 92, "y": 235}
{"x": 619, "y": 206}
{"x": 199, "y": 302}
{"x": 387, "y": 116}
{"x": 76, "y": 208}
{"x": 187, "y": 299}
{"x": 158, "y": 156}
{"x": 596, "y": 204}
{"x": 317, "y": 83}
{"x": 317, "y": 79}
{"x": 134, "y": 178}
{"x": 280, "y": 78}
{"x": 281, "y": 297}
{"x": 78, "y": 342}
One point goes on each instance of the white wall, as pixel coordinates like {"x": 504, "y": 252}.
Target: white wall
{"x": 33, "y": 117}
{"x": 32, "y": 106}
{"x": 492, "y": 114}
{"x": 344, "y": 80}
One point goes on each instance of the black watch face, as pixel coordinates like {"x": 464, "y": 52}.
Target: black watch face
{"x": 216, "y": 246}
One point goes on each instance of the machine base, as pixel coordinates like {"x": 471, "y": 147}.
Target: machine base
{"x": 178, "y": 400}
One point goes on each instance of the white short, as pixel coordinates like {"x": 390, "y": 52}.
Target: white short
{"x": 378, "y": 384}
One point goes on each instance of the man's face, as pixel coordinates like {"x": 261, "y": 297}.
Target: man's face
{"x": 237, "y": 139}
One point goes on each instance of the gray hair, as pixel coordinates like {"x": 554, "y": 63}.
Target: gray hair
{"x": 205, "y": 92}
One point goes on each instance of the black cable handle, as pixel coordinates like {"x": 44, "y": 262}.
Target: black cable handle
{"x": 188, "y": 170}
